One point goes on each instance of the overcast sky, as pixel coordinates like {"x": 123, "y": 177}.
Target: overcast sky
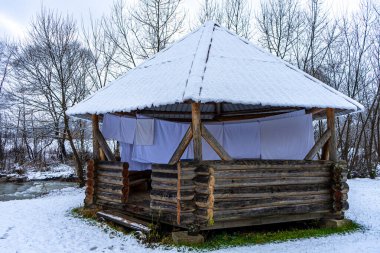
{"x": 15, "y": 15}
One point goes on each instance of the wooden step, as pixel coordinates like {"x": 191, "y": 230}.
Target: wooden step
{"x": 125, "y": 220}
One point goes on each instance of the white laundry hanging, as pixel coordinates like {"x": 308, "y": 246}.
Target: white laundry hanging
{"x": 287, "y": 138}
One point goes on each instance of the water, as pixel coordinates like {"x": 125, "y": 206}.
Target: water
{"x": 29, "y": 190}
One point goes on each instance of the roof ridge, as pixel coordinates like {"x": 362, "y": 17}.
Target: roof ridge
{"x": 194, "y": 81}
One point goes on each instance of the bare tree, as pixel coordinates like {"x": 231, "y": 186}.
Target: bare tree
{"x": 103, "y": 51}
{"x": 52, "y": 69}
{"x": 235, "y": 15}
{"x": 155, "y": 24}
{"x": 279, "y": 24}
{"x": 5, "y": 61}
{"x": 210, "y": 10}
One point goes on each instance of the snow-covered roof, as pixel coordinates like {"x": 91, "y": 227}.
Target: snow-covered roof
{"x": 213, "y": 64}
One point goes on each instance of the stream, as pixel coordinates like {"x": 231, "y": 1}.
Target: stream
{"x": 30, "y": 189}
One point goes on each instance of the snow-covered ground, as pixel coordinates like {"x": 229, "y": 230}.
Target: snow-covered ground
{"x": 57, "y": 171}
{"x": 46, "y": 225}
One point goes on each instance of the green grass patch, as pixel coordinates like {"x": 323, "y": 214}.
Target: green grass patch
{"x": 226, "y": 238}
{"x": 271, "y": 234}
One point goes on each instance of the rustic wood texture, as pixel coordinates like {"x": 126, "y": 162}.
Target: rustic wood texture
{"x": 216, "y": 194}
{"x": 196, "y": 129}
{"x": 111, "y": 183}
{"x": 90, "y": 187}
{"x": 339, "y": 189}
{"x": 219, "y": 150}
{"x": 332, "y": 141}
{"x": 318, "y": 145}
{"x": 178, "y": 193}
{"x": 182, "y": 146}
{"x": 103, "y": 144}
{"x": 95, "y": 143}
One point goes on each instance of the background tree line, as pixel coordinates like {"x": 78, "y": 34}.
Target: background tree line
{"x": 61, "y": 62}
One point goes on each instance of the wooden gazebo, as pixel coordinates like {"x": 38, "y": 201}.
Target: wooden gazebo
{"x": 212, "y": 75}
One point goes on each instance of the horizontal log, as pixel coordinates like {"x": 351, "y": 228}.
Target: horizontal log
{"x": 262, "y": 195}
{"x": 188, "y": 185}
{"x": 109, "y": 173}
{"x": 260, "y": 202}
{"x": 170, "y": 195}
{"x": 265, "y": 164}
{"x": 265, "y": 189}
{"x": 171, "y": 218}
{"x": 109, "y": 190}
{"x": 173, "y": 168}
{"x": 170, "y": 207}
{"x": 110, "y": 165}
{"x": 110, "y": 204}
{"x": 251, "y": 221}
{"x": 113, "y": 181}
{"x": 170, "y": 180}
{"x": 269, "y": 173}
{"x": 256, "y": 182}
{"x": 109, "y": 198}
{"x": 184, "y": 175}
{"x": 264, "y": 211}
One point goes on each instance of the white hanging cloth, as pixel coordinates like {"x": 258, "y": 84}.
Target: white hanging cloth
{"x": 126, "y": 156}
{"x": 287, "y": 138}
{"x": 144, "y": 131}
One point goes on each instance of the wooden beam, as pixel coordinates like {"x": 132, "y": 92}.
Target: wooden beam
{"x": 222, "y": 153}
{"x": 325, "y": 151}
{"x": 95, "y": 143}
{"x": 318, "y": 145}
{"x": 182, "y": 146}
{"x": 103, "y": 144}
{"x": 332, "y": 141}
{"x": 314, "y": 110}
{"x": 196, "y": 129}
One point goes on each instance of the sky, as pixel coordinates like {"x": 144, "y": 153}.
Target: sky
{"x": 15, "y": 15}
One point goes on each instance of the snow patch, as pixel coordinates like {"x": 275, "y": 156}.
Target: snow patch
{"x": 46, "y": 225}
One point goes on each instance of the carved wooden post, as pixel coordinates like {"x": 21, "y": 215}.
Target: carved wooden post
{"x": 90, "y": 190}
{"x": 332, "y": 141}
{"x": 197, "y": 133}
{"x": 95, "y": 143}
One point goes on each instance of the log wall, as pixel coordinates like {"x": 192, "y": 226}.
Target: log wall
{"x": 218, "y": 194}
{"x": 107, "y": 183}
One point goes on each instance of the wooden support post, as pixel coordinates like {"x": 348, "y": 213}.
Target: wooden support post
{"x": 332, "y": 141}
{"x": 95, "y": 143}
{"x": 196, "y": 128}
{"x": 318, "y": 145}
{"x": 325, "y": 151}
{"x": 182, "y": 146}
{"x": 102, "y": 155}
{"x": 90, "y": 188}
{"x": 178, "y": 193}
{"x": 103, "y": 144}
{"x": 214, "y": 144}
{"x": 125, "y": 189}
